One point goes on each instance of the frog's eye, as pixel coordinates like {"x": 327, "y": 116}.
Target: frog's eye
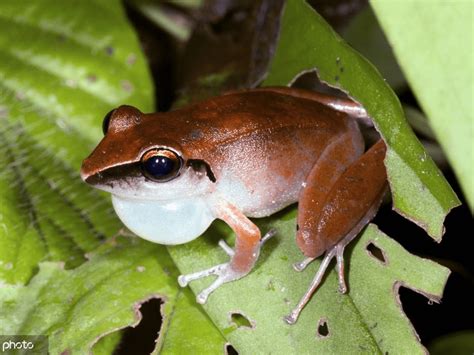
{"x": 106, "y": 122}
{"x": 161, "y": 164}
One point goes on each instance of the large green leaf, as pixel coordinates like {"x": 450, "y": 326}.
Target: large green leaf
{"x": 75, "y": 308}
{"x": 62, "y": 67}
{"x": 433, "y": 42}
{"x": 58, "y": 77}
{"x": 369, "y": 319}
{"x": 419, "y": 190}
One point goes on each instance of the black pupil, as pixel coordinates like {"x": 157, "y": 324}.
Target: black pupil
{"x": 106, "y": 121}
{"x": 159, "y": 166}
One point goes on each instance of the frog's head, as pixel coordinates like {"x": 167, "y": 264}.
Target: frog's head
{"x": 150, "y": 178}
{"x": 136, "y": 159}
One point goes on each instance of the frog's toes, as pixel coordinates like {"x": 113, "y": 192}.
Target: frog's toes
{"x": 184, "y": 280}
{"x": 224, "y": 272}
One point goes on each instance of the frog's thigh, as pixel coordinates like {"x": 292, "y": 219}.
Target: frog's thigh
{"x": 327, "y": 215}
{"x": 332, "y": 163}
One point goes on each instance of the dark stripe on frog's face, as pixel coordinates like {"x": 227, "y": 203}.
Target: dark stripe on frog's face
{"x": 117, "y": 174}
{"x": 202, "y": 167}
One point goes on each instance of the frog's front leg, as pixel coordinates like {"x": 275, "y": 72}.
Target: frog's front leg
{"x": 243, "y": 258}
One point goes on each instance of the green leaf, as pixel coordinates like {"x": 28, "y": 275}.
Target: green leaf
{"x": 438, "y": 65}
{"x": 107, "y": 344}
{"x": 57, "y": 82}
{"x": 75, "y": 308}
{"x": 368, "y": 319}
{"x": 189, "y": 330}
{"x": 419, "y": 191}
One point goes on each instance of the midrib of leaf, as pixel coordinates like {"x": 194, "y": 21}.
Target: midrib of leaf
{"x": 29, "y": 204}
{"x": 364, "y": 324}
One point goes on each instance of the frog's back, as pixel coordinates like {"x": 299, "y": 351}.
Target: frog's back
{"x": 261, "y": 145}
{"x": 223, "y": 119}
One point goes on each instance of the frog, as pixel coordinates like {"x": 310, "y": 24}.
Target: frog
{"x": 242, "y": 155}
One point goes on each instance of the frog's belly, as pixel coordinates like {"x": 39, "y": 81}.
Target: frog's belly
{"x": 164, "y": 222}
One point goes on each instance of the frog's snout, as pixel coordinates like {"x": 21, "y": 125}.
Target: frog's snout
{"x": 86, "y": 171}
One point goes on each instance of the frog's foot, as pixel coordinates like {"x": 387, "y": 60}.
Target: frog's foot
{"x": 300, "y": 266}
{"x": 224, "y": 272}
{"x": 336, "y": 251}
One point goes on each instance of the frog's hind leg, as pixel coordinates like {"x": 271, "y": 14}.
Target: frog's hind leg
{"x": 336, "y": 251}
{"x": 349, "y": 205}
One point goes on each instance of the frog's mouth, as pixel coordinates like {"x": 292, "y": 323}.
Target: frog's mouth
{"x": 111, "y": 176}
{"x": 122, "y": 181}
{"x": 169, "y": 222}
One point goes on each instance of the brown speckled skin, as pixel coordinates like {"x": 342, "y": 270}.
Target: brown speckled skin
{"x": 282, "y": 144}
{"x": 236, "y": 131}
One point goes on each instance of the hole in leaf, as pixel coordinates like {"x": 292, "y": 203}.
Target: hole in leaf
{"x": 323, "y": 330}
{"x": 141, "y": 339}
{"x": 240, "y": 320}
{"x": 376, "y": 253}
{"x": 230, "y": 350}
{"x": 310, "y": 81}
